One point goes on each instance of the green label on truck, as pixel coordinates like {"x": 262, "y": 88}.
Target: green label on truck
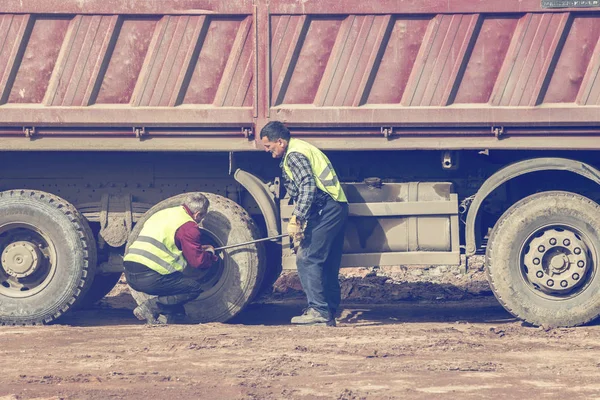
{"x": 570, "y": 3}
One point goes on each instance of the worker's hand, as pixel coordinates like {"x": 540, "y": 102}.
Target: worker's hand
{"x": 210, "y": 249}
{"x": 296, "y": 232}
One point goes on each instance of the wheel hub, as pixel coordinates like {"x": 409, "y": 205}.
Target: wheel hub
{"x": 559, "y": 263}
{"x": 556, "y": 261}
{"x": 21, "y": 259}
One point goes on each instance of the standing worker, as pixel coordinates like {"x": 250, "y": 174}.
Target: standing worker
{"x": 169, "y": 241}
{"x": 318, "y": 221}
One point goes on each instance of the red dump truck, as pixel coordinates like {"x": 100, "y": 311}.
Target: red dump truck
{"x": 457, "y": 126}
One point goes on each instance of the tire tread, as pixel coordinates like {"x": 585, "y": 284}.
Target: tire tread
{"x": 506, "y": 218}
{"x": 85, "y": 234}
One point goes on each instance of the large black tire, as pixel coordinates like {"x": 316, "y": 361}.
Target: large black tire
{"x": 51, "y": 229}
{"x": 101, "y": 286}
{"x": 542, "y": 259}
{"x": 274, "y": 269}
{"x": 232, "y": 283}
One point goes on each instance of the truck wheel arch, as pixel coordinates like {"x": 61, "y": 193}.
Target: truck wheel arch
{"x": 263, "y": 197}
{"x": 510, "y": 172}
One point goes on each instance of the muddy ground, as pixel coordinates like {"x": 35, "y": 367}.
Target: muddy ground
{"x": 443, "y": 338}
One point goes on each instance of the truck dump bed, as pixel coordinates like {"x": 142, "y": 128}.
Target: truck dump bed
{"x": 437, "y": 74}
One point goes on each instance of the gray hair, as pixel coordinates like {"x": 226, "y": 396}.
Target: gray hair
{"x": 196, "y": 202}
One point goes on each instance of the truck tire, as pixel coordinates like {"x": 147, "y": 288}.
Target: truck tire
{"x": 542, "y": 259}
{"x": 230, "y": 284}
{"x": 101, "y": 286}
{"x": 48, "y": 257}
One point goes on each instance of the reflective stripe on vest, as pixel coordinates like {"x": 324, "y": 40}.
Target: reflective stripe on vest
{"x": 325, "y": 176}
{"x": 155, "y": 246}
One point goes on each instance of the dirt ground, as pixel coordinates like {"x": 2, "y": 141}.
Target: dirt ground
{"x": 456, "y": 343}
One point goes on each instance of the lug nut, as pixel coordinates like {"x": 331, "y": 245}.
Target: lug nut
{"x": 563, "y": 283}
{"x": 580, "y": 263}
{"x": 541, "y": 249}
{"x": 575, "y": 276}
{"x": 566, "y": 242}
{"x": 552, "y": 241}
{"x": 577, "y": 250}
{"x": 539, "y": 274}
{"x": 550, "y": 282}
{"x": 536, "y": 261}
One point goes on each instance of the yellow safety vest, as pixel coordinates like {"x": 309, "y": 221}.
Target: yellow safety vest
{"x": 155, "y": 246}
{"x": 325, "y": 176}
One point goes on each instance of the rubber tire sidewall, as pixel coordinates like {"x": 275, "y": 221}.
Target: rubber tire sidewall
{"x": 503, "y": 265}
{"x": 61, "y": 224}
{"x": 245, "y": 267}
{"x": 100, "y": 287}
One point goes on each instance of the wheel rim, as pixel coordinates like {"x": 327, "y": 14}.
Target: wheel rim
{"x": 212, "y": 278}
{"x": 558, "y": 261}
{"x": 27, "y": 260}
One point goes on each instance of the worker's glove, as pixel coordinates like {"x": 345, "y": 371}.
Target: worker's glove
{"x": 210, "y": 249}
{"x": 296, "y": 232}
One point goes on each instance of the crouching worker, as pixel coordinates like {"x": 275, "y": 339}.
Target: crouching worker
{"x": 169, "y": 241}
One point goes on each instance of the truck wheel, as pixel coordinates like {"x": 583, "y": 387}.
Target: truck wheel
{"x": 101, "y": 286}
{"x": 231, "y": 283}
{"x": 47, "y": 257}
{"x": 542, "y": 259}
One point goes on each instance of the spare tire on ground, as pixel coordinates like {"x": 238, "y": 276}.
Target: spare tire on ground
{"x": 231, "y": 283}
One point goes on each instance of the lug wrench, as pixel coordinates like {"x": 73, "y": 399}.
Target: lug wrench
{"x": 250, "y": 242}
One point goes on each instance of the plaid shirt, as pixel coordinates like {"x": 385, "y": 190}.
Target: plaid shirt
{"x": 303, "y": 188}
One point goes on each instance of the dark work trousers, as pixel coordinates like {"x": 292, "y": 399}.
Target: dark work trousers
{"x": 173, "y": 290}
{"x": 319, "y": 257}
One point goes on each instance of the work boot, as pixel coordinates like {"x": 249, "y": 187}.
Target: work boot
{"x": 165, "y": 319}
{"x": 176, "y": 310}
{"x": 174, "y": 317}
{"x": 312, "y": 317}
{"x": 334, "y": 315}
{"x": 147, "y": 311}
{"x": 173, "y": 314}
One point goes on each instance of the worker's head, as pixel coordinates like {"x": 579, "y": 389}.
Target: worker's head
{"x": 197, "y": 203}
{"x": 275, "y": 137}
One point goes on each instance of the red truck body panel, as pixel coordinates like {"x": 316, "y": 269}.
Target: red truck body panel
{"x": 347, "y": 75}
